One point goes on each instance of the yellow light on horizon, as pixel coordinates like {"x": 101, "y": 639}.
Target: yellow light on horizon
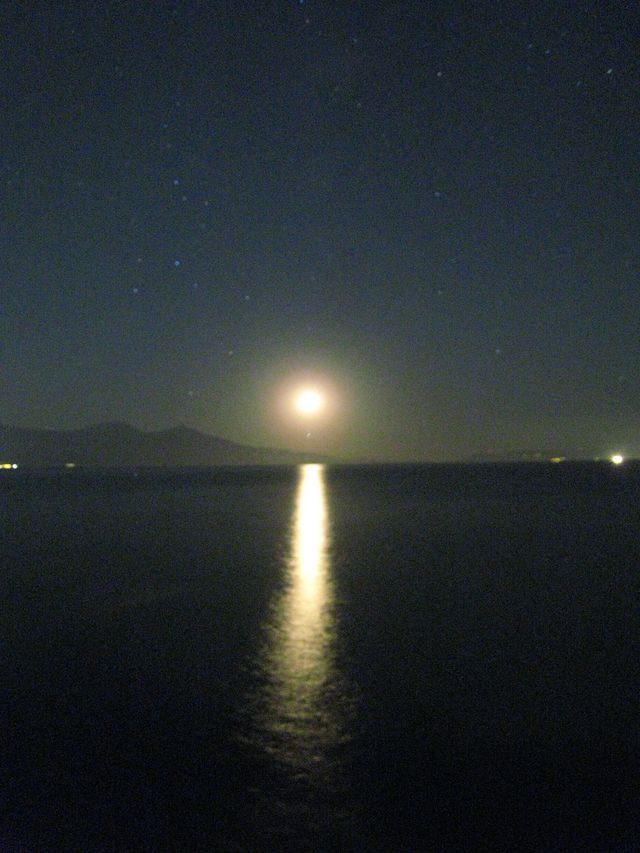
{"x": 309, "y": 401}
{"x": 617, "y": 458}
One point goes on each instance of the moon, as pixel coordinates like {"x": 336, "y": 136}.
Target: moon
{"x": 308, "y": 401}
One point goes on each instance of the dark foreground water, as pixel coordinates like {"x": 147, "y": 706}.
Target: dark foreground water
{"x": 400, "y": 658}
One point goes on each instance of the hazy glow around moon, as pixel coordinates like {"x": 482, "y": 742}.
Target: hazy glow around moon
{"x": 308, "y": 401}
{"x": 309, "y": 410}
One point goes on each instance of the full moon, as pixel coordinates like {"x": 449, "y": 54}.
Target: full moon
{"x": 308, "y": 401}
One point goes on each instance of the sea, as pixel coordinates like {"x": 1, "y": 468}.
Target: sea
{"x": 318, "y": 658}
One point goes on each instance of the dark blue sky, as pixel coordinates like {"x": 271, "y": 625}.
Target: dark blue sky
{"x": 432, "y": 209}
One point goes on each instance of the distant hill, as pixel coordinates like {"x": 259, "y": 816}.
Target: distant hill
{"x": 544, "y": 455}
{"x": 120, "y": 445}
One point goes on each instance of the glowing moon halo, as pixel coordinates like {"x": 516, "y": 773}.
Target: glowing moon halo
{"x": 308, "y": 402}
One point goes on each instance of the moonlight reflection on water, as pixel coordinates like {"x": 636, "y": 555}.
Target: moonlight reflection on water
{"x": 302, "y": 712}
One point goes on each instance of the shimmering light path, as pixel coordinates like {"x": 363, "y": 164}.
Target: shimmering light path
{"x": 302, "y": 714}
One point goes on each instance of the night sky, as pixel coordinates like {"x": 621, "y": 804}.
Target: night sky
{"x": 431, "y": 211}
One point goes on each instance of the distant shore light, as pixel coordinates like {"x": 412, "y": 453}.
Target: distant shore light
{"x": 617, "y": 459}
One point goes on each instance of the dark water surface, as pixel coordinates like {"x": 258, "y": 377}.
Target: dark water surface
{"x": 377, "y": 658}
